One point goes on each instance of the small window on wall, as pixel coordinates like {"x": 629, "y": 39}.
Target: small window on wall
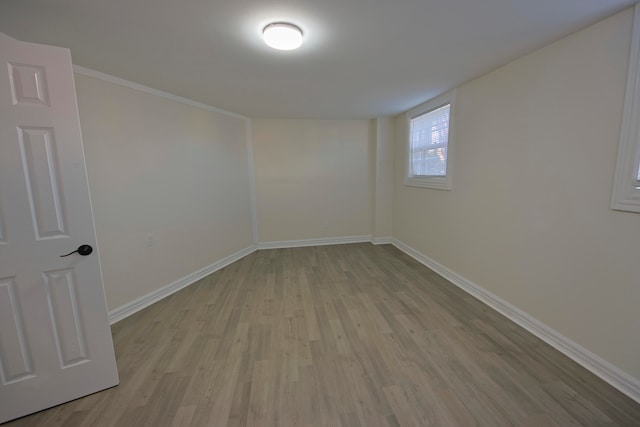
{"x": 626, "y": 185}
{"x": 429, "y": 143}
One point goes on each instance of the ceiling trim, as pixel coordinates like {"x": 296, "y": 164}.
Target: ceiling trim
{"x": 146, "y": 89}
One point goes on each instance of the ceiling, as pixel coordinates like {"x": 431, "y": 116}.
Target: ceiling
{"x": 360, "y": 58}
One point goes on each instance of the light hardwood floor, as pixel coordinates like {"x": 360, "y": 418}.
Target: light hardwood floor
{"x": 349, "y": 335}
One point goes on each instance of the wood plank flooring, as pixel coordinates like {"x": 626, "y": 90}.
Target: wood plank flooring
{"x": 348, "y": 335}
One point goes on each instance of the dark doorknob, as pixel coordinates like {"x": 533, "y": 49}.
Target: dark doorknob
{"x": 83, "y": 250}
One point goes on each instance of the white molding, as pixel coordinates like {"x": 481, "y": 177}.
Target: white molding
{"x": 597, "y": 365}
{"x": 146, "y": 89}
{"x": 7, "y": 37}
{"x": 626, "y": 194}
{"x": 381, "y": 240}
{"x": 252, "y": 185}
{"x": 314, "y": 242}
{"x": 138, "y": 304}
{"x": 145, "y": 301}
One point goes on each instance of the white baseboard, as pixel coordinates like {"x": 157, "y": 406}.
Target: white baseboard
{"x": 597, "y": 365}
{"x": 138, "y": 304}
{"x": 314, "y": 242}
{"x": 381, "y": 240}
{"x": 600, "y": 367}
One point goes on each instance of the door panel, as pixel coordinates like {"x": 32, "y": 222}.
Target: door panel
{"x": 55, "y": 340}
{"x": 28, "y": 84}
{"x": 15, "y": 363}
{"x": 65, "y": 317}
{"x": 37, "y": 147}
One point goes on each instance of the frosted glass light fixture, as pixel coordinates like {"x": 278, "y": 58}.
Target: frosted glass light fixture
{"x": 282, "y": 36}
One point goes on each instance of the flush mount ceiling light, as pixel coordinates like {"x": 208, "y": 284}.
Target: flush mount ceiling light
{"x": 282, "y": 36}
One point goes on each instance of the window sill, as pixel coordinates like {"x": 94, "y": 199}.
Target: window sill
{"x": 628, "y": 201}
{"x": 435, "y": 183}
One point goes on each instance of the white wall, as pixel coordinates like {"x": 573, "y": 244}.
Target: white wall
{"x": 313, "y": 178}
{"x": 528, "y": 218}
{"x": 160, "y": 167}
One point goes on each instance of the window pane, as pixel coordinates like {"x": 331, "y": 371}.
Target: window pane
{"x": 429, "y": 139}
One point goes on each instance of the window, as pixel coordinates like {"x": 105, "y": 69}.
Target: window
{"x": 429, "y": 149}
{"x": 626, "y": 185}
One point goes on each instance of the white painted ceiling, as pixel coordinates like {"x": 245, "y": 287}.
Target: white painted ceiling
{"x": 360, "y": 58}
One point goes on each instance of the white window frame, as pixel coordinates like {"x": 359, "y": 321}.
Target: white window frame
{"x": 626, "y": 185}
{"x": 437, "y": 182}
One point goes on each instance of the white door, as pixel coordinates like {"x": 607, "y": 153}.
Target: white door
{"x": 55, "y": 340}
